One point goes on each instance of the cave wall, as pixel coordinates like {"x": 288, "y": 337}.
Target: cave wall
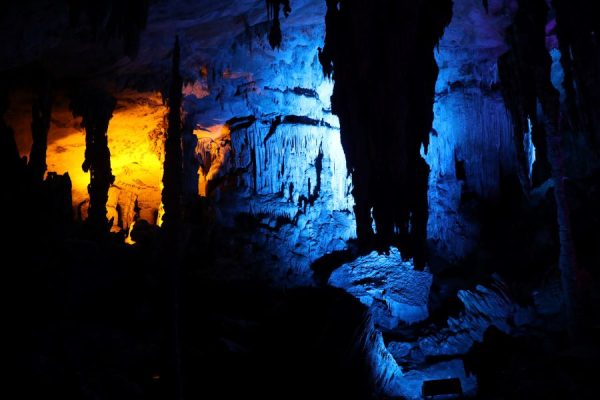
{"x": 471, "y": 145}
{"x": 271, "y": 162}
{"x": 260, "y": 134}
{"x": 265, "y": 144}
{"x": 263, "y": 117}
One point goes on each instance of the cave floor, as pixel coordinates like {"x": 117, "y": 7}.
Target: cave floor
{"x": 102, "y": 321}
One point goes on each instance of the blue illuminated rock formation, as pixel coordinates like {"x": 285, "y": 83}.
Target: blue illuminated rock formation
{"x": 483, "y": 307}
{"x": 385, "y": 371}
{"x": 278, "y": 155}
{"x": 389, "y": 286}
{"x": 472, "y": 129}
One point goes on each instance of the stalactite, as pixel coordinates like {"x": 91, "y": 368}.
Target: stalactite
{"x": 384, "y": 123}
{"x": 41, "y": 111}
{"x": 273, "y": 7}
{"x": 173, "y": 242}
{"x": 173, "y": 165}
{"x": 526, "y": 77}
{"x": 96, "y": 108}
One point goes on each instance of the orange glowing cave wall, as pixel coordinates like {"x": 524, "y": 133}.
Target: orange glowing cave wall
{"x": 135, "y": 140}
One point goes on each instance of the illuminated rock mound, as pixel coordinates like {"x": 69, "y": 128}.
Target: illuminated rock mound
{"x": 389, "y": 286}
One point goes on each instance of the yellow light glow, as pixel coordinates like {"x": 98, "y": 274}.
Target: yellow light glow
{"x": 161, "y": 208}
{"x": 135, "y": 145}
{"x": 128, "y": 239}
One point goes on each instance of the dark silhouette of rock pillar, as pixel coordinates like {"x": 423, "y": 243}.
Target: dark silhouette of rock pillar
{"x": 380, "y": 55}
{"x": 173, "y": 165}
{"x": 172, "y": 198}
{"x": 525, "y": 73}
{"x": 11, "y": 162}
{"x": 41, "y": 111}
{"x": 96, "y": 108}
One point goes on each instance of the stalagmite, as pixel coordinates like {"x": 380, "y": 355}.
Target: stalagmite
{"x": 96, "y": 108}
{"x": 173, "y": 165}
{"x": 41, "y": 113}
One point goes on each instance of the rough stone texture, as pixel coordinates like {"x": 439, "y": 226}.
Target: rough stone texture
{"x": 299, "y": 163}
{"x": 390, "y": 287}
{"x": 471, "y": 124}
{"x": 483, "y": 307}
{"x": 231, "y": 71}
{"x": 268, "y": 145}
{"x": 386, "y": 373}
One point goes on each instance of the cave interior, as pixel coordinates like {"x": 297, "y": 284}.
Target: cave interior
{"x": 337, "y": 199}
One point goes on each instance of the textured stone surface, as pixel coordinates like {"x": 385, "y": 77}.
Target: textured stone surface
{"x": 471, "y": 123}
{"x": 483, "y": 307}
{"x": 269, "y": 147}
{"x": 393, "y": 290}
